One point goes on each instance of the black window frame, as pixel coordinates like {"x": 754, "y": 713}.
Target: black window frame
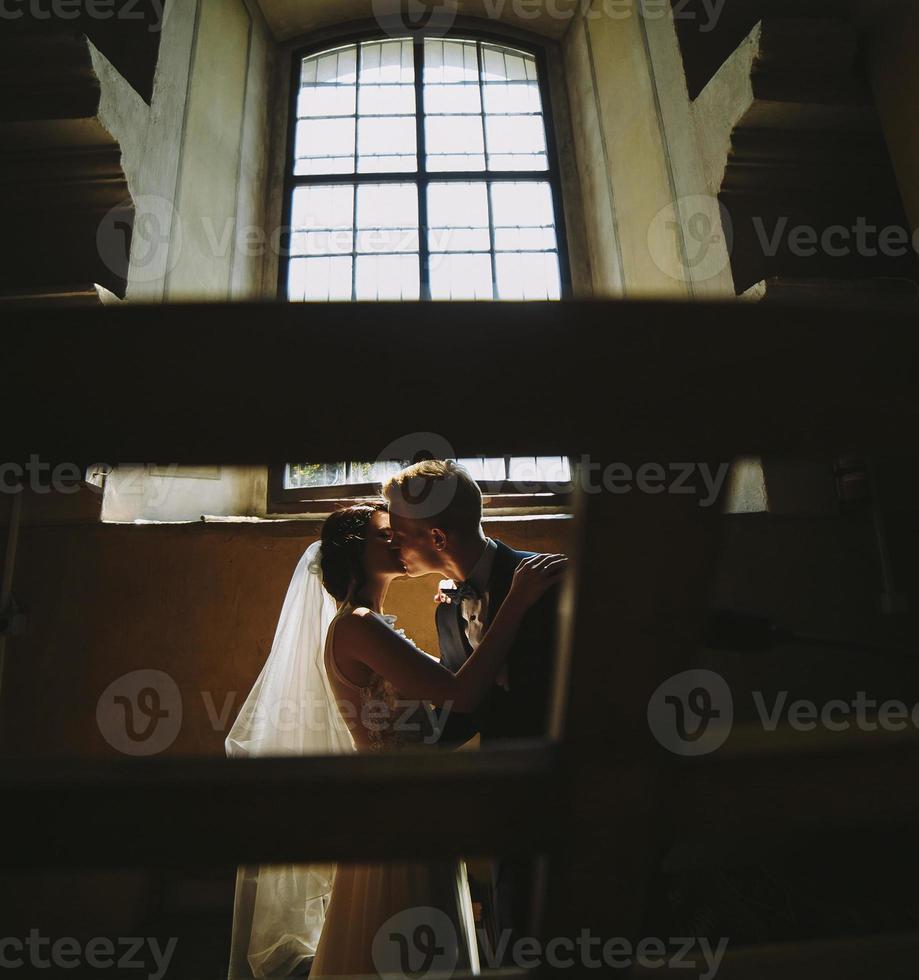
{"x": 462, "y": 28}
{"x": 496, "y": 494}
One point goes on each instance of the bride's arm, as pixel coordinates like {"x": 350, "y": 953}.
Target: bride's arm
{"x": 363, "y": 638}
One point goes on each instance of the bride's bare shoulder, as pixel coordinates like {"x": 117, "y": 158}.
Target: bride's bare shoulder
{"x": 359, "y": 620}
{"x": 358, "y": 612}
{"x": 362, "y": 633}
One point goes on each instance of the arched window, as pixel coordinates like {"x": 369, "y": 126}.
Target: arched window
{"x": 422, "y": 169}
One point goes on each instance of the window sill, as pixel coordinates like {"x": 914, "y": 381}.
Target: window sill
{"x": 496, "y": 514}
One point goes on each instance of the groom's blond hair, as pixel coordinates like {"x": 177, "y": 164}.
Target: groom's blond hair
{"x": 462, "y": 507}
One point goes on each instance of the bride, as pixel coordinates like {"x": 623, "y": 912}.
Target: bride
{"x": 356, "y": 666}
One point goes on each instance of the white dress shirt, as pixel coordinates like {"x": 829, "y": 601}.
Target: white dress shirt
{"x": 475, "y": 611}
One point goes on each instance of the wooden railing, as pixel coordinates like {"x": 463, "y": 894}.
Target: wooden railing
{"x": 614, "y": 381}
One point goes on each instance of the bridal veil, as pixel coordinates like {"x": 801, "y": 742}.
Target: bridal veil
{"x": 279, "y": 910}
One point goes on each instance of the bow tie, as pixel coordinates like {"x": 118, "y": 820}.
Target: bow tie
{"x": 463, "y": 590}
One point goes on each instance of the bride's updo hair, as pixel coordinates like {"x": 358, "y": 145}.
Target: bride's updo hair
{"x": 343, "y": 537}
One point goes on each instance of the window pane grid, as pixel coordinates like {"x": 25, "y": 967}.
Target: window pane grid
{"x": 372, "y": 245}
{"x": 430, "y": 114}
{"x": 494, "y": 469}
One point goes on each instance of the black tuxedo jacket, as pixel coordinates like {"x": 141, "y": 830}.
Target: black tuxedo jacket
{"x": 522, "y": 711}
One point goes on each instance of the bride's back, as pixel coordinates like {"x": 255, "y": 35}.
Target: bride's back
{"x": 376, "y": 715}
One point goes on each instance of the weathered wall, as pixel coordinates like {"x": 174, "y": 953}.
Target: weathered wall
{"x": 894, "y": 74}
{"x": 199, "y": 602}
{"x": 290, "y": 18}
{"x": 644, "y": 178}
{"x": 205, "y": 161}
{"x": 195, "y": 158}
{"x": 719, "y": 107}
{"x": 184, "y": 493}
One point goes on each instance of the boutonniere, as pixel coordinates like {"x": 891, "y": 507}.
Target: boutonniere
{"x": 446, "y": 588}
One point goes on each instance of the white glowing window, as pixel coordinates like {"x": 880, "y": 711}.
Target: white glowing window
{"x": 495, "y": 474}
{"x": 421, "y": 169}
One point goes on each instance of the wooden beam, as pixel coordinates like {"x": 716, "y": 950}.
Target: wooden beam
{"x": 218, "y": 383}
{"x": 221, "y": 812}
{"x": 707, "y": 40}
{"x": 892, "y": 957}
{"x": 644, "y": 563}
{"x": 758, "y": 795}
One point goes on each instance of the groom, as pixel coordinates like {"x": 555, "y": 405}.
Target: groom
{"x": 435, "y": 512}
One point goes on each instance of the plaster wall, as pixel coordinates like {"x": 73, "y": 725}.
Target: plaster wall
{"x": 197, "y": 602}
{"x": 640, "y": 163}
{"x": 894, "y": 74}
{"x": 195, "y": 158}
{"x": 184, "y": 493}
{"x": 720, "y": 106}
{"x": 290, "y": 18}
{"x": 652, "y": 221}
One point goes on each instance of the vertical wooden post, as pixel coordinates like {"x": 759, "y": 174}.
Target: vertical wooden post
{"x": 643, "y": 567}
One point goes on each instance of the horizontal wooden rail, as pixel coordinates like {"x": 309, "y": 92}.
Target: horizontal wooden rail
{"x": 892, "y": 957}
{"x": 272, "y": 381}
{"x": 211, "y": 812}
{"x": 752, "y": 799}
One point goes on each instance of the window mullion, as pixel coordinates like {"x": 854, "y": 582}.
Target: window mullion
{"x": 480, "y": 72}
{"x": 357, "y": 116}
{"x": 491, "y": 213}
{"x": 424, "y": 260}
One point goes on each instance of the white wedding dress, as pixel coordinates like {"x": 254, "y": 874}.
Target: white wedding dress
{"x": 391, "y": 917}
{"x": 286, "y": 916}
